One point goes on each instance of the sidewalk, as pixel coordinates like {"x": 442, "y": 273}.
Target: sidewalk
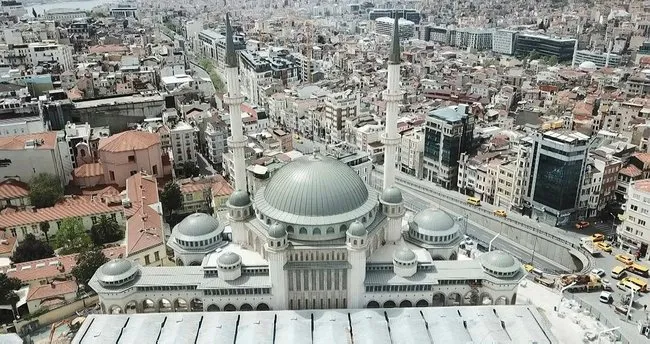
{"x": 571, "y": 324}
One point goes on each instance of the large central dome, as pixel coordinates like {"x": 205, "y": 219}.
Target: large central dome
{"x": 315, "y": 190}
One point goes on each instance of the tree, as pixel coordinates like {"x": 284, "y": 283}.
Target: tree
{"x": 170, "y": 197}
{"x": 45, "y": 228}
{"x": 190, "y": 169}
{"x": 31, "y": 249}
{"x": 45, "y": 190}
{"x": 8, "y": 286}
{"x": 34, "y": 13}
{"x": 105, "y": 230}
{"x": 125, "y": 24}
{"x": 87, "y": 263}
{"x": 552, "y": 61}
{"x": 72, "y": 236}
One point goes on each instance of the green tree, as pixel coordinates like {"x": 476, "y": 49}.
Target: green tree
{"x": 87, "y": 263}
{"x": 72, "y": 237}
{"x": 45, "y": 190}
{"x": 31, "y": 249}
{"x": 534, "y": 55}
{"x": 8, "y": 287}
{"x": 190, "y": 169}
{"x": 170, "y": 197}
{"x": 552, "y": 61}
{"x": 45, "y": 228}
{"x": 105, "y": 230}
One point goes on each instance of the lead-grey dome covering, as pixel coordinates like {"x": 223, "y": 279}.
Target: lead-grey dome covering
{"x": 499, "y": 261}
{"x": 357, "y": 229}
{"x": 277, "y": 231}
{"x": 229, "y": 258}
{"x": 239, "y": 198}
{"x": 404, "y": 254}
{"x": 198, "y": 224}
{"x": 434, "y": 222}
{"x": 116, "y": 270}
{"x": 392, "y": 195}
{"x": 315, "y": 190}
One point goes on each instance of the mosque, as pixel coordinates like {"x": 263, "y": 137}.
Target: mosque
{"x": 314, "y": 237}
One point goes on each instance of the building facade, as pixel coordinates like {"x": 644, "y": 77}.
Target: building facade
{"x": 634, "y": 232}
{"x": 562, "y": 49}
{"x": 599, "y": 59}
{"x": 503, "y": 42}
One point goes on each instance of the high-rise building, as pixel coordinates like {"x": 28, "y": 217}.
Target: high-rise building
{"x": 408, "y": 14}
{"x": 561, "y": 48}
{"x": 384, "y": 26}
{"x": 557, "y": 169}
{"x": 503, "y": 41}
{"x": 339, "y": 107}
{"x": 449, "y": 132}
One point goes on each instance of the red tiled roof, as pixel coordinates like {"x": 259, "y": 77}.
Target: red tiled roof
{"x": 89, "y": 170}
{"x": 643, "y": 157}
{"x": 107, "y": 48}
{"x": 52, "y": 267}
{"x": 630, "y": 171}
{"x": 144, "y": 224}
{"x": 190, "y": 185}
{"x": 7, "y": 245}
{"x": 221, "y": 189}
{"x": 71, "y": 207}
{"x": 17, "y": 142}
{"x": 12, "y": 188}
{"x": 128, "y": 141}
{"x": 642, "y": 185}
{"x": 51, "y": 290}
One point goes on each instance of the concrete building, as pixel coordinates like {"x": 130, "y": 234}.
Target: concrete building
{"x": 557, "y": 170}
{"x": 25, "y": 156}
{"x": 13, "y": 8}
{"x": 560, "y": 48}
{"x": 599, "y": 59}
{"x": 634, "y": 232}
{"x": 64, "y": 15}
{"x": 184, "y": 140}
{"x": 503, "y": 41}
{"x": 215, "y": 135}
{"x": 36, "y": 54}
{"x": 408, "y": 14}
{"x": 384, "y": 26}
{"x": 478, "y": 39}
{"x": 124, "y": 11}
{"x": 449, "y": 132}
{"x": 339, "y": 107}
{"x": 411, "y": 156}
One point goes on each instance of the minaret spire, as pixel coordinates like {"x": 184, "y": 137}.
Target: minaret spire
{"x": 234, "y": 99}
{"x": 393, "y": 96}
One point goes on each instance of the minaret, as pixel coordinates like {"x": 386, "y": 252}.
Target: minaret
{"x": 276, "y": 251}
{"x": 609, "y": 52}
{"x": 393, "y": 96}
{"x": 357, "y": 245}
{"x": 234, "y": 99}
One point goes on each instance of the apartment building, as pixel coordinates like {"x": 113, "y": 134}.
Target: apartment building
{"x": 634, "y": 232}
{"x": 212, "y": 45}
{"x": 263, "y": 68}
{"x": 338, "y": 108}
{"x": 384, "y": 26}
{"x": 503, "y": 41}
{"x": 35, "y": 54}
{"x": 449, "y": 133}
{"x": 184, "y": 141}
{"x": 411, "y": 154}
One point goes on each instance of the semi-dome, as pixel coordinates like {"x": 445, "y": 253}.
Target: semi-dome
{"x": 357, "y": 229}
{"x": 499, "y": 261}
{"x": 277, "y": 230}
{"x": 404, "y": 254}
{"x": 392, "y": 195}
{"x": 239, "y": 198}
{"x": 197, "y": 225}
{"x": 229, "y": 258}
{"x": 434, "y": 222}
{"x": 315, "y": 191}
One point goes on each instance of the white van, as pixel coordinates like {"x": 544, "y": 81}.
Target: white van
{"x": 605, "y": 297}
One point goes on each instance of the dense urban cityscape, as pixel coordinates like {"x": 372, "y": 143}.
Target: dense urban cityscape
{"x": 324, "y": 171}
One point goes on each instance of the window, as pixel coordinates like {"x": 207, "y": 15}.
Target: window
{"x": 133, "y": 172}
{"x": 154, "y": 169}
{"x": 131, "y": 158}
{"x": 111, "y": 175}
{"x": 94, "y": 219}
{"x": 146, "y": 260}
{"x": 156, "y": 256}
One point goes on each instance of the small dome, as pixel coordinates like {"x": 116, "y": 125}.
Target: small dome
{"x": 499, "y": 261}
{"x": 198, "y": 224}
{"x": 229, "y": 258}
{"x": 239, "y": 198}
{"x": 433, "y": 222}
{"x": 392, "y": 195}
{"x": 404, "y": 254}
{"x": 588, "y": 65}
{"x": 116, "y": 267}
{"x": 357, "y": 229}
{"x": 277, "y": 230}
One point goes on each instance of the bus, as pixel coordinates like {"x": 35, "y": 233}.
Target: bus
{"x": 628, "y": 286}
{"x": 618, "y": 272}
{"x": 474, "y": 201}
{"x": 643, "y": 285}
{"x": 639, "y": 269}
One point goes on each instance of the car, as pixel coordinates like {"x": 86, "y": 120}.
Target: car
{"x": 606, "y": 284}
{"x": 605, "y": 297}
{"x": 500, "y": 212}
{"x": 598, "y": 272}
{"x": 468, "y": 242}
{"x": 604, "y": 246}
{"x": 628, "y": 260}
{"x": 597, "y": 237}
{"x": 528, "y": 267}
{"x": 582, "y": 224}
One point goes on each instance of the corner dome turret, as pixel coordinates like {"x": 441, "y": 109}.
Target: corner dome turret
{"x": 392, "y": 195}
{"x": 404, "y": 255}
{"x": 116, "y": 272}
{"x": 277, "y": 230}
{"x": 228, "y": 259}
{"x": 499, "y": 264}
{"x": 239, "y": 198}
{"x": 357, "y": 229}
{"x": 198, "y": 225}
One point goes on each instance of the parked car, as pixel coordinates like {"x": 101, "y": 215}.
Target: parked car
{"x": 605, "y": 297}
{"x": 597, "y": 237}
{"x": 598, "y": 272}
{"x": 604, "y": 246}
{"x": 500, "y": 212}
{"x": 625, "y": 259}
{"x": 582, "y": 224}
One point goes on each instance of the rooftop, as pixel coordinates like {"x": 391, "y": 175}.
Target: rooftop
{"x": 46, "y": 140}
{"x": 52, "y": 289}
{"x": 12, "y": 188}
{"x": 128, "y": 141}
{"x": 502, "y": 324}
{"x": 642, "y": 185}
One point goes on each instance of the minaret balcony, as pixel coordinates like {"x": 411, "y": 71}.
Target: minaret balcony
{"x": 390, "y": 141}
{"x": 236, "y": 100}
{"x": 396, "y": 97}
{"x": 232, "y": 143}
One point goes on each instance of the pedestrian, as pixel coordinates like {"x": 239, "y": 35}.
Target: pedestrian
{"x": 645, "y": 307}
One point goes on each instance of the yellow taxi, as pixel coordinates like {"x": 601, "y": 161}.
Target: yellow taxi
{"x": 500, "y": 212}
{"x": 625, "y": 259}
{"x": 528, "y": 267}
{"x": 597, "y": 237}
{"x": 474, "y": 201}
{"x": 604, "y": 246}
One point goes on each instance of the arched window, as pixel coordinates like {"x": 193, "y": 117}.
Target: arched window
{"x": 330, "y": 230}
{"x": 355, "y": 241}
{"x": 290, "y": 229}
{"x": 363, "y": 219}
{"x": 316, "y": 231}
{"x": 303, "y": 230}
{"x": 343, "y": 228}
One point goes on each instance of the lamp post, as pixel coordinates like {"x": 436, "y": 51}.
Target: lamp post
{"x": 562, "y": 294}
{"x": 490, "y": 244}
{"x": 629, "y": 307}
{"x": 606, "y": 331}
